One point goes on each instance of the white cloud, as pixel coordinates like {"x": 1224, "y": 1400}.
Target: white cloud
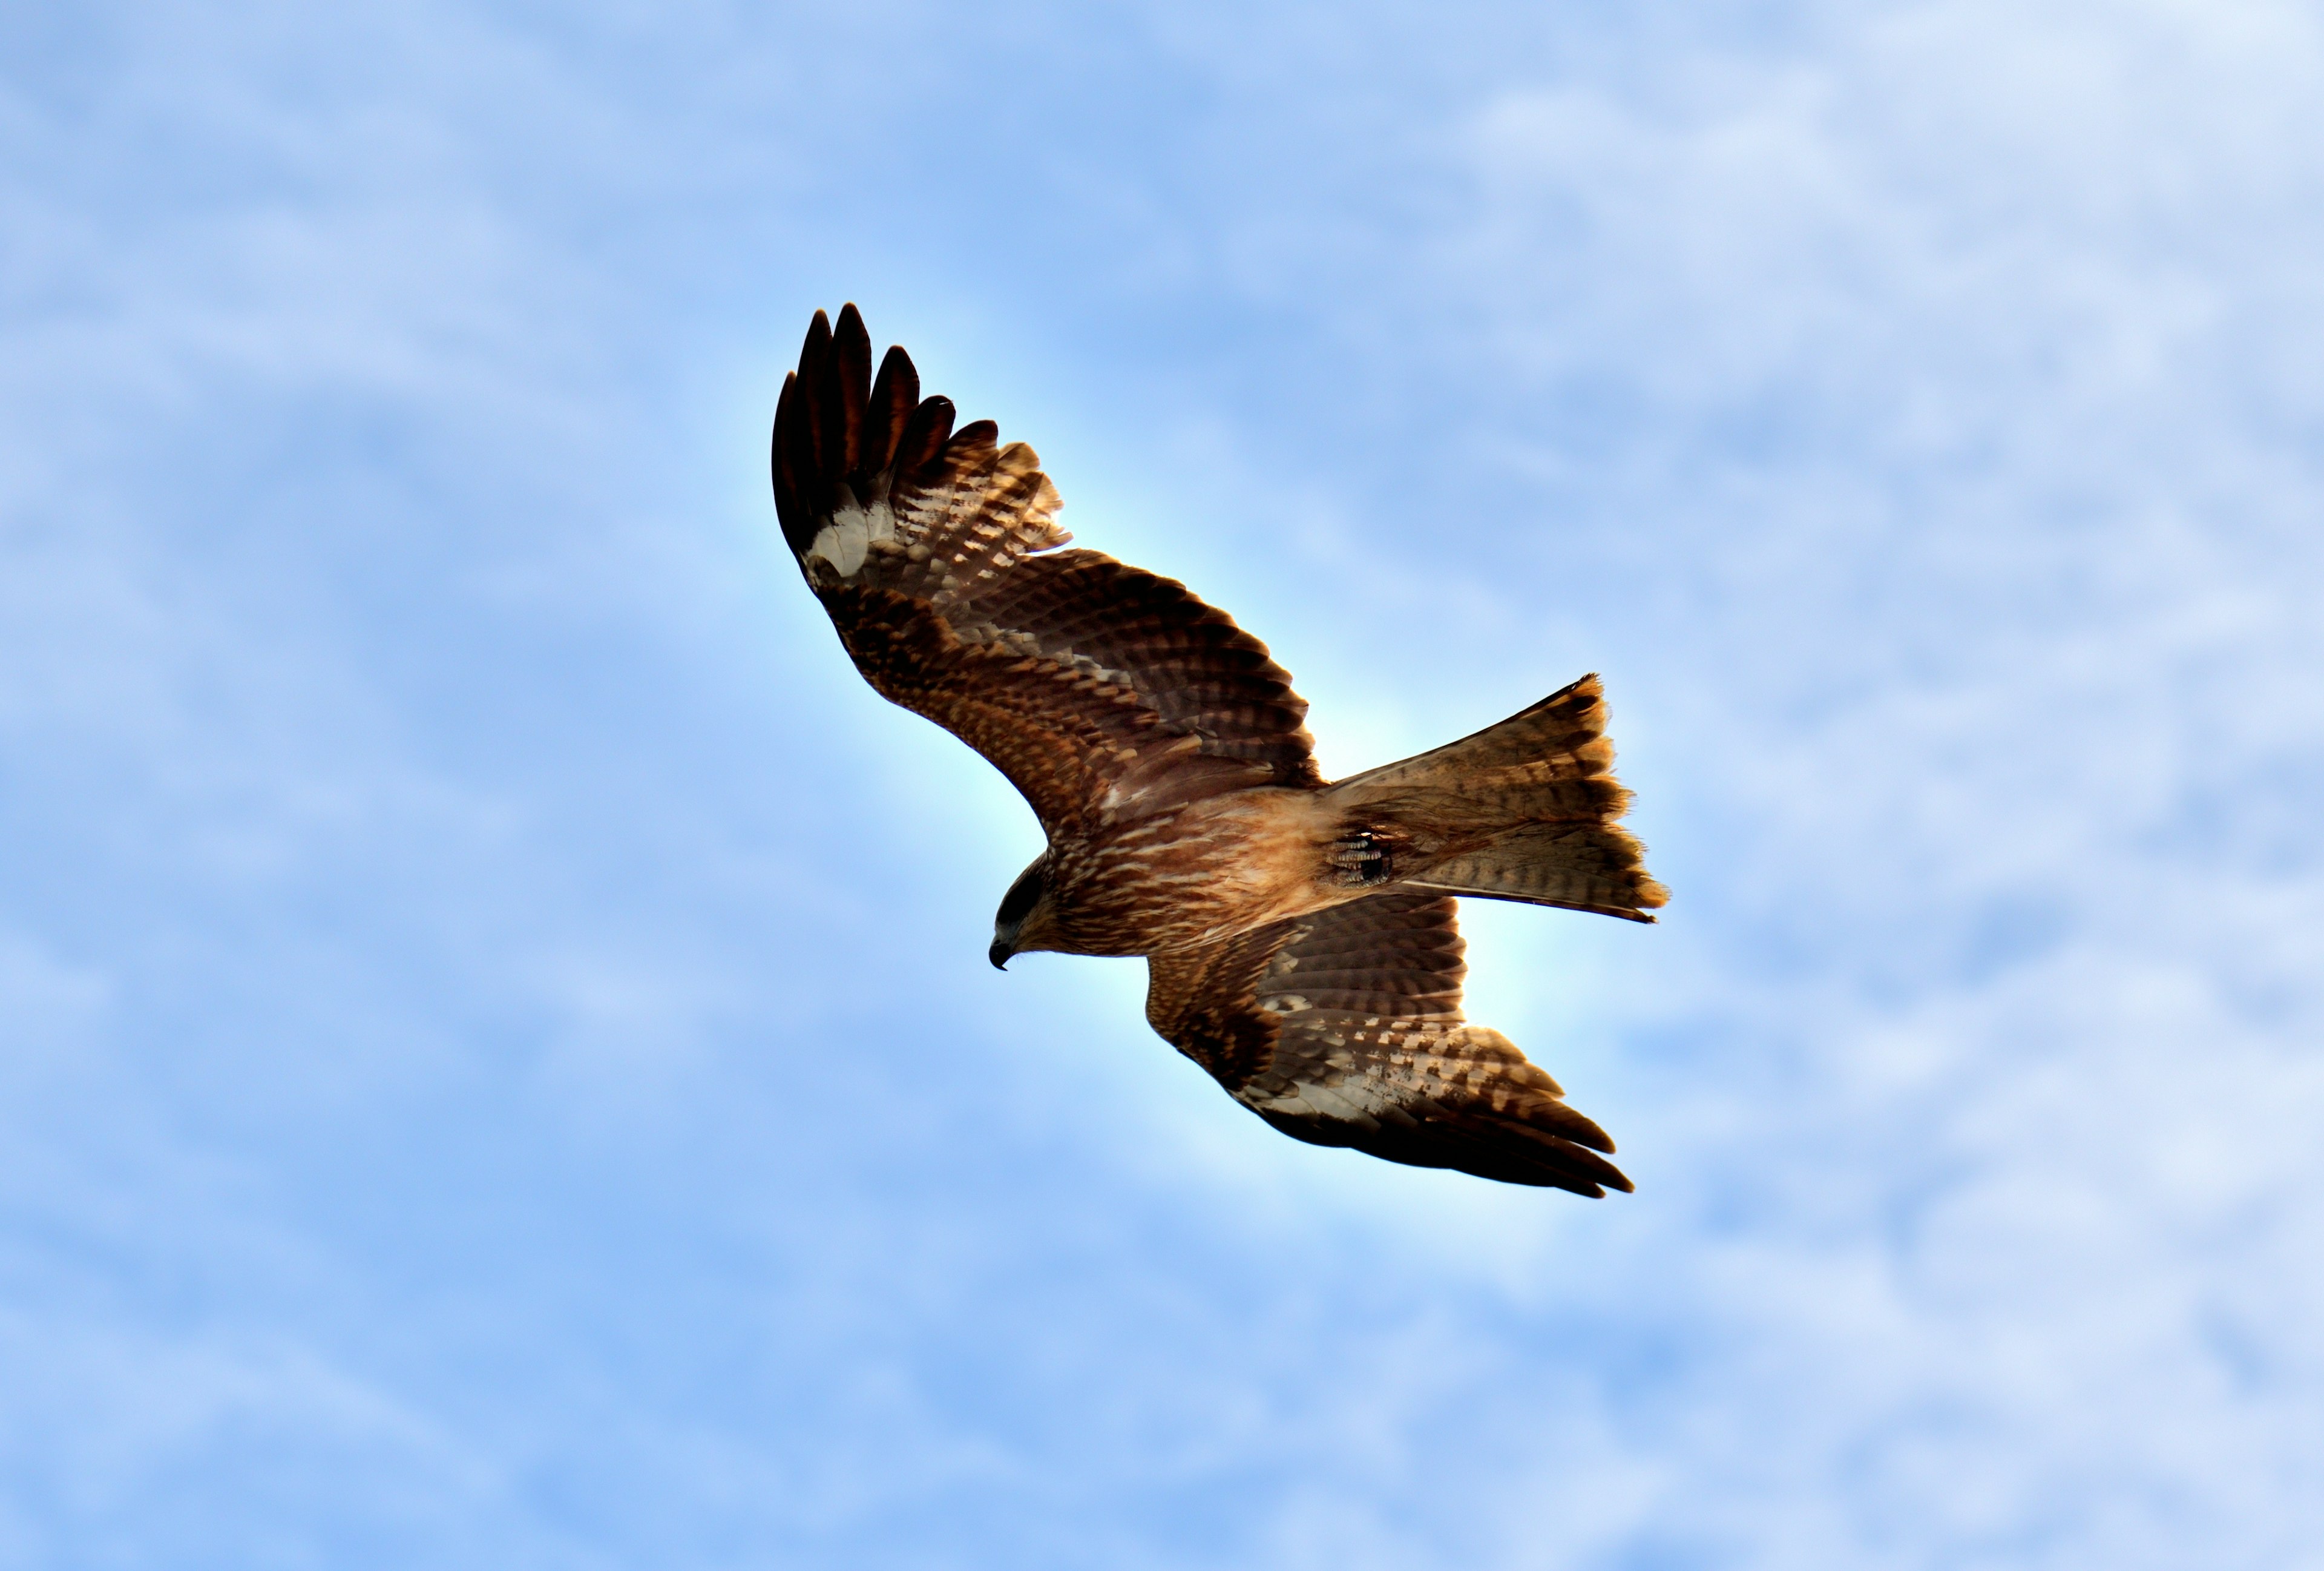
{"x": 1910, "y": 408}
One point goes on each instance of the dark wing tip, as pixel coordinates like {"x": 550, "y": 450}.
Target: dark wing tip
{"x": 819, "y": 421}
{"x": 926, "y": 431}
{"x": 976, "y": 434}
{"x": 802, "y": 416}
{"x": 847, "y": 392}
{"x": 895, "y": 394}
{"x": 834, "y": 422}
{"x": 1506, "y": 1151}
{"x": 816, "y": 345}
{"x": 788, "y": 505}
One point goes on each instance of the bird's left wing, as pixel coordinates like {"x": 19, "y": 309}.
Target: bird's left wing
{"x": 1345, "y": 1028}
{"x": 1101, "y": 691}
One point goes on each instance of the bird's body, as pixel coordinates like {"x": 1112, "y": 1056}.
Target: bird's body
{"x": 1214, "y": 869}
{"x": 1299, "y": 932}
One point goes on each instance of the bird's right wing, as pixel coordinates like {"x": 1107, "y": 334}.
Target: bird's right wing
{"x": 1345, "y": 1028}
{"x": 1103, "y": 692}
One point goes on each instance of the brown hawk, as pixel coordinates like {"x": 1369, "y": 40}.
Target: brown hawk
{"x": 1299, "y": 932}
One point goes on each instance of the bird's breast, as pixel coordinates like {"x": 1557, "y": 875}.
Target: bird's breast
{"x": 1217, "y": 867}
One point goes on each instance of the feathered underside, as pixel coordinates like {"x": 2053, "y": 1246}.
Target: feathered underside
{"x": 1101, "y": 691}
{"x": 1345, "y": 1028}
{"x": 1136, "y": 719}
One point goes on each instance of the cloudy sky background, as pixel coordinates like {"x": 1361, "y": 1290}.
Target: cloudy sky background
{"x": 497, "y": 1063}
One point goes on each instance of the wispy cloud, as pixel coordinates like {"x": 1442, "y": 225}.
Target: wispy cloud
{"x": 501, "y": 1064}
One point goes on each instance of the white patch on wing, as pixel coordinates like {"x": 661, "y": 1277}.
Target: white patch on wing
{"x": 845, "y": 541}
{"x": 1357, "y": 1099}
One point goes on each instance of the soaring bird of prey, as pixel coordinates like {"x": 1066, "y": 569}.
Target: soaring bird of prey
{"x": 1299, "y": 932}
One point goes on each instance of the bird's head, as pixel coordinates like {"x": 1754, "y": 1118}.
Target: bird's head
{"x": 1016, "y": 925}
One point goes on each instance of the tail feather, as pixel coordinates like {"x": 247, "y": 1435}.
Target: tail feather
{"x": 1582, "y": 867}
{"x": 1524, "y": 810}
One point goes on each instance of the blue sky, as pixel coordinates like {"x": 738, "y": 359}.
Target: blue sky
{"x": 497, "y": 1063}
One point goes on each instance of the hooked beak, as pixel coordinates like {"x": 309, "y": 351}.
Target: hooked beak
{"x": 999, "y": 954}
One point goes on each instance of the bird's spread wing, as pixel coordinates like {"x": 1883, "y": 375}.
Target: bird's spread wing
{"x": 1344, "y": 1028}
{"x": 1103, "y": 692}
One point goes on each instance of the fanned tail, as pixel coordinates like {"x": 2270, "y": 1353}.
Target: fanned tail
{"x": 1525, "y": 810}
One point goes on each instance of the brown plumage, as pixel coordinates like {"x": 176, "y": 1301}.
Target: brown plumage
{"x": 1299, "y": 939}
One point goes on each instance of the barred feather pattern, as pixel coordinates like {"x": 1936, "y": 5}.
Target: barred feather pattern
{"x": 1101, "y": 691}
{"x": 1345, "y": 1028}
{"x": 1522, "y": 810}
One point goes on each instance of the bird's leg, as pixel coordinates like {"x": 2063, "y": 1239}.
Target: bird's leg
{"x": 1361, "y": 860}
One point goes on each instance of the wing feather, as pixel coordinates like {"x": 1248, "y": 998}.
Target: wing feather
{"x": 1101, "y": 691}
{"x": 1345, "y": 1028}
